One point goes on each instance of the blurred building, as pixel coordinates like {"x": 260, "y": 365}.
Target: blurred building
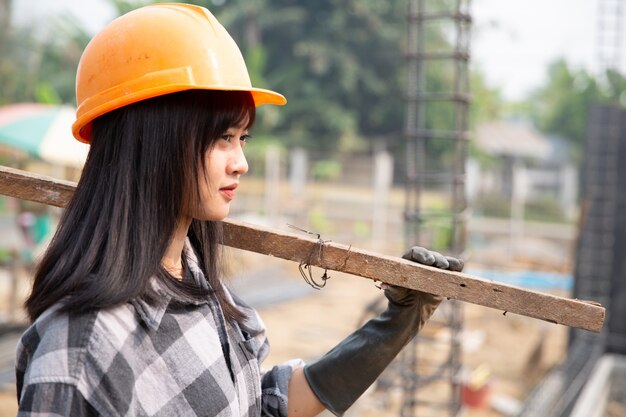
{"x": 526, "y": 164}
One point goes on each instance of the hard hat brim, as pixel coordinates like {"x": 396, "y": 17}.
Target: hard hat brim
{"x": 81, "y": 128}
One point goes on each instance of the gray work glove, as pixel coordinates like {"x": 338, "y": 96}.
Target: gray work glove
{"x": 340, "y": 377}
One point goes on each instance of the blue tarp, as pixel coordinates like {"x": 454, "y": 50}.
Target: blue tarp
{"x": 527, "y": 279}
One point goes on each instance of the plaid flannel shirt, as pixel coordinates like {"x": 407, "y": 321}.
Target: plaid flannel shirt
{"x": 176, "y": 358}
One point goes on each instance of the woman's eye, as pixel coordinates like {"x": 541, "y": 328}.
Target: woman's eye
{"x": 245, "y": 138}
{"x": 227, "y": 137}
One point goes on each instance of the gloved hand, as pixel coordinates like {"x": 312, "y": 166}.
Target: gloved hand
{"x": 340, "y": 377}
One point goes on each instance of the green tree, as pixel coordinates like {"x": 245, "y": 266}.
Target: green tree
{"x": 487, "y": 102}
{"x": 36, "y": 66}
{"x": 614, "y": 90}
{"x": 341, "y": 65}
{"x": 561, "y": 106}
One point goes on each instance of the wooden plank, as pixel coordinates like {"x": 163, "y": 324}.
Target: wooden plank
{"x": 586, "y": 315}
{"x": 455, "y": 285}
{"x": 39, "y": 188}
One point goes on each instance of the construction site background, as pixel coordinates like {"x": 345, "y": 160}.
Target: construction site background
{"x": 511, "y": 352}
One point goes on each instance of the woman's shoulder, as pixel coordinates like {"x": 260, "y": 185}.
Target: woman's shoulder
{"x": 56, "y": 347}
{"x": 53, "y": 344}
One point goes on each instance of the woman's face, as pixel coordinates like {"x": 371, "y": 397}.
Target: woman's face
{"x": 225, "y": 163}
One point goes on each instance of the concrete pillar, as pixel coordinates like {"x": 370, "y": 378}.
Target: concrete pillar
{"x": 383, "y": 178}
{"x": 298, "y": 164}
{"x": 272, "y": 185}
{"x": 568, "y": 190}
{"x": 519, "y": 193}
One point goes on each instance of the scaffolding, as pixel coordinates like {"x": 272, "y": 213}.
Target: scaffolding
{"x": 599, "y": 267}
{"x": 598, "y": 264}
{"x": 610, "y": 35}
{"x": 438, "y": 49}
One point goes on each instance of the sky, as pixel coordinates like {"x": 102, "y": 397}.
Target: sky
{"x": 513, "y": 41}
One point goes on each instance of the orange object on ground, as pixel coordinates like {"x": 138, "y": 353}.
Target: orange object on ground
{"x": 476, "y": 397}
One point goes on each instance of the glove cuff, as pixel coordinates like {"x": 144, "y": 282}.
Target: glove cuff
{"x": 343, "y": 374}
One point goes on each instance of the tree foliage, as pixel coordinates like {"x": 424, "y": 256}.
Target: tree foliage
{"x": 39, "y": 62}
{"x": 560, "y": 107}
{"x": 340, "y": 63}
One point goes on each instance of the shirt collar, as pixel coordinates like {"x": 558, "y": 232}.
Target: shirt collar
{"x": 151, "y": 312}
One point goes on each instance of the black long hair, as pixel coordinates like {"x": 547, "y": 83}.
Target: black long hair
{"x": 141, "y": 172}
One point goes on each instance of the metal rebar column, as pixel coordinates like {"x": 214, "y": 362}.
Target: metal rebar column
{"x": 438, "y": 53}
{"x": 610, "y": 35}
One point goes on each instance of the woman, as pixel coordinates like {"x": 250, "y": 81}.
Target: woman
{"x": 129, "y": 315}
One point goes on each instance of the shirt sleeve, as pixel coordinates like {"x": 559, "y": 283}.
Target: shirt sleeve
{"x": 275, "y": 388}
{"x": 275, "y": 381}
{"x": 54, "y": 400}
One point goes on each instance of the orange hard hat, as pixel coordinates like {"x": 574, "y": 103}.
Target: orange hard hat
{"x": 156, "y": 50}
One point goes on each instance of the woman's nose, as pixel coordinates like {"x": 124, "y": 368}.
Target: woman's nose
{"x": 238, "y": 163}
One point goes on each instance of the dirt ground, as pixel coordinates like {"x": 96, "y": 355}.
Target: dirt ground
{"x": 8, "y": 404}
{"x": 516, "y": 351}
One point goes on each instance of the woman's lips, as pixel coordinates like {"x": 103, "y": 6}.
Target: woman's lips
{"x": 229, "y": 192}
